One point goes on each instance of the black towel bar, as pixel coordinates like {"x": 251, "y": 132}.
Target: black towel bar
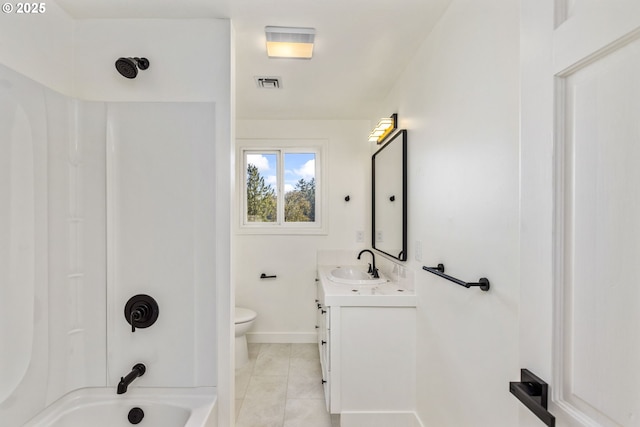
{"x": 483, "y": 283}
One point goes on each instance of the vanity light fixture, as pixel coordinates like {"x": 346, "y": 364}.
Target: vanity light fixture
{"x": 290, "y": 42}
{"x": 383, "y": 129}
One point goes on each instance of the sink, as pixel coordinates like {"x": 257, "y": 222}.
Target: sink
{"x": 354, "y": 276}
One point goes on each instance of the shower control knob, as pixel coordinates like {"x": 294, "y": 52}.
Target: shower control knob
{"x": 141, "y": 311}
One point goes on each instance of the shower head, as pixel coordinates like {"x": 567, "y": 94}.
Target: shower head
{"x": 128, "y": 67}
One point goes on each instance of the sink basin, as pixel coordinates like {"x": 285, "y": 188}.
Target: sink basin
{"x": 354, "y": 276}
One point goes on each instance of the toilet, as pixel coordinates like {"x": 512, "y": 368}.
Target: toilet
{"x": 244, "y": 321}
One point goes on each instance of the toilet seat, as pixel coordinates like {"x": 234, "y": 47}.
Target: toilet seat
{"x": 244, "y": 315}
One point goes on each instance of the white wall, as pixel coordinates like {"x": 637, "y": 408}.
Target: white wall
{"x": 76, "y": 212}
{"x": 458, "y": 98}
{"x": 189, "y": 62}
{"x": 189, "y": 59}
{"x": 192, "y": 60}
{"x": 39, "y": 46}
{"x": 160, "y": 240}
{"x": 24, "y": 249}
{"x": 62, "y": 314}
{"x": 285, "y": 306}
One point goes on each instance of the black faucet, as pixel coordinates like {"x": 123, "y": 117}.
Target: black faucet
{"x": 372, "y": 267}
{"x": 137, "y": 371}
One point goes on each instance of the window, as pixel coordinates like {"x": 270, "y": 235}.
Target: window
{"x": 281, "y": 189}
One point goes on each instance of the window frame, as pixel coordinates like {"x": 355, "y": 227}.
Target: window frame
{"x": 319, "y": 147}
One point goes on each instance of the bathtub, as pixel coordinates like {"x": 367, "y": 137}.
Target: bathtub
{"x": 102, "y": 407}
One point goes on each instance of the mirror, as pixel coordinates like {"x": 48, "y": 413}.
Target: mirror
{"x": 389, "y": 197}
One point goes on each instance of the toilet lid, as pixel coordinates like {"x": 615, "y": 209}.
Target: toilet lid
{"x": 244, "y": 315}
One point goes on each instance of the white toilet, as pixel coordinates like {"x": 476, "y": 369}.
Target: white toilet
{"x": 244, "y": 321}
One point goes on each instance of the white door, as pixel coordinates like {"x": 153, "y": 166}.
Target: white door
{"x": 580, "y": 209}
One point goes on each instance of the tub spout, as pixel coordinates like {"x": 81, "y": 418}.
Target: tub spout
{"x": 137, "y": 371}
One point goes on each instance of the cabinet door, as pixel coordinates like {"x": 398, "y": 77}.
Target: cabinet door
{"x": 323, "y": 348}
{"x": 319, "y": 325}
{"x": 376, "y": 359}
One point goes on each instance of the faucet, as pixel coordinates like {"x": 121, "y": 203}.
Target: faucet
{"x": 137, "y": 371}
{"x": 372, "y": 268}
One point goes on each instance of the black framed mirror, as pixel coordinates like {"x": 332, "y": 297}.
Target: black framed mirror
{"x": 389, "y": 197}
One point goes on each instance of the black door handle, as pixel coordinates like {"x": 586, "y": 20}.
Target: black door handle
{"x": 533, "y": 393}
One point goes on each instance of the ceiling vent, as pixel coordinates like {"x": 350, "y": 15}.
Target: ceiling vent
{"x": 268, "y": 82}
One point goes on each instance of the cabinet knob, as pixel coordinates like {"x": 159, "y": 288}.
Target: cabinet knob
{"x": 323, "y": 342}
{"x": 324, "y": 381}
{"x": 317, "y": 327}
{"x": 323, "y": 311}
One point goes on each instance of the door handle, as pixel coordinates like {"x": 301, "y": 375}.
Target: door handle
{"x": 533, "y": 393}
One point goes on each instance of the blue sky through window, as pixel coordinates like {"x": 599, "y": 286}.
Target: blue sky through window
{"x": 296, "y": 166}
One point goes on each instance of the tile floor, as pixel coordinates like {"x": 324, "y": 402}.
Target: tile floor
{"x": 281, "y": 387}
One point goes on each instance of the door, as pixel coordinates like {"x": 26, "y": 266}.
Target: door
{"x": 580, "y": 208}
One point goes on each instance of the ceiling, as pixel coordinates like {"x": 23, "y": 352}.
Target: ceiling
{"x": 361, "y": 48}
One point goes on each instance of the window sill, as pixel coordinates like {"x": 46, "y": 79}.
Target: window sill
{"x": 285, "y": 231}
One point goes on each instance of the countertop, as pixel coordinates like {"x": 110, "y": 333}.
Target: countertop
{"x": 389, "y": 294}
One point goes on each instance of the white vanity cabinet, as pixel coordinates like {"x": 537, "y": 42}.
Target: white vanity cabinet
{"x": 367, "y": 349}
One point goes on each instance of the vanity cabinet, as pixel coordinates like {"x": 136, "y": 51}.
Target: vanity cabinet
{"x": 367, "y": 352}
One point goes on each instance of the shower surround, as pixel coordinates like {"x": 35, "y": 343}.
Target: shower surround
{"x": 100, "y": 201}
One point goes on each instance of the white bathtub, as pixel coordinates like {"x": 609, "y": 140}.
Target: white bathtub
{"x": 102, "y": 407}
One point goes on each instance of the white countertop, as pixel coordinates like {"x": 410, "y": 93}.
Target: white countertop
{"x": 389, "y": 294}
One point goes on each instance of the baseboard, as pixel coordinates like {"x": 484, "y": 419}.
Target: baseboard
{"x": 379, "y": 419}
{"x": 282, "y": 337}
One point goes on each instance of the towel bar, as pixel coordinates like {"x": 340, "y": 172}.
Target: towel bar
{"x": 483, "y": 283}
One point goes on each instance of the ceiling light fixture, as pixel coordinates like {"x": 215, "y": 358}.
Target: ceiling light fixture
{"x": 384, "y": 127}
{"x": 290, "y": 42}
